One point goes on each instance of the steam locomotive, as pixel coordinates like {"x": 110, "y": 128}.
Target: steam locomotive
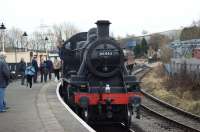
{"x": 96, "y": 83}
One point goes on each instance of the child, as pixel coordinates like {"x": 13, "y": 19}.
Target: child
{"x": 29, "y": 72}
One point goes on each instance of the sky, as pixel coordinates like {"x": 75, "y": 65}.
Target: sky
{"x": 126, "y": 16}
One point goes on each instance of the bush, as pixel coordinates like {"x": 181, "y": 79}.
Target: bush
{"x": 195, "y": 107}
{"x": 187, "y": 95}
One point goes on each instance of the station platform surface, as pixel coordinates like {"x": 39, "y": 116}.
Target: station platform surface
{"x": 36, "y": 109}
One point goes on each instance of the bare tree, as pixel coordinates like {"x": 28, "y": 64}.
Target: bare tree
{"x": 52, "y": 39}
{"x": 38, "y": 40}
{"x": 157, "y": 40}
{"x": 144, "y": 32}
{"x": 64, "y": 31}
{"x": 190, "y": 33}
{"x": 166, "y": 54}
{"x": 55, "y": 34}
{"x": 69, "y": 30}
{"x": 195, "y": 23}
{"x": 14, "y": 38}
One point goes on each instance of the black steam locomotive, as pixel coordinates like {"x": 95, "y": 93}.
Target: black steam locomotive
{"x": 96, "y": 83}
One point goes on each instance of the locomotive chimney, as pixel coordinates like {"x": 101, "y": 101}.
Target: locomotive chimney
{"x": 102, "y": 29}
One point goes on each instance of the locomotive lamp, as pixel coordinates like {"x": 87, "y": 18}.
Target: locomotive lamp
{"x": 2, "y": 28}
{"x": 107, "y": 88}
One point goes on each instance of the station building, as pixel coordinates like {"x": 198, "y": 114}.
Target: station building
{"x": 13, "y": 58}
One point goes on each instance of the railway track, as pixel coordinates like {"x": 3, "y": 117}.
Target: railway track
{"x": 111, "y": 128}
{"x": 186, "y": 121}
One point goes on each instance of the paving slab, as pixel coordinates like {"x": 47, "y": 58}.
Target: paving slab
{"x": 68, "y": 122}
{"x": 36, "y": 109}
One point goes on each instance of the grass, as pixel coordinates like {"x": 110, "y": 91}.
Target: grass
{"x": 180, "y": 93}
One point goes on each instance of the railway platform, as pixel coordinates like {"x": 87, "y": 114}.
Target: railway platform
{"x": 36, "y": 109}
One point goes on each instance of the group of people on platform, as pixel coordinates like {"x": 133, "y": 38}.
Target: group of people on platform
{"x": 45, "y": 69}
{"x": 30, "y": 72}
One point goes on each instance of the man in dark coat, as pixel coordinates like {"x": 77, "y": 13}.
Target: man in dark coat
{"x": 35, "y": 65}
{"x": 21, "y": 69}
{"x": 4, "y": 79}
{"x": 43, "y": 70}
{"x": 49, "y": 67}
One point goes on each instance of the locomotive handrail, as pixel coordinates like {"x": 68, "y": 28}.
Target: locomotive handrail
{"x": 65, "y": 79}
{"x": 78, "y": 49}
{"x": 72, "y": 84}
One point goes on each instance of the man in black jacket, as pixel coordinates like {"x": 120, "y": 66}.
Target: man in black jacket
{"x": 35, "y": 65}
{"x": 22, "y": 68}
{"x": 49, "y": 67}
{"x": 4, "y": 79}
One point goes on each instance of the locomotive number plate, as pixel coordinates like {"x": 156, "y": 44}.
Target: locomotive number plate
{"x": 105, "y": 53}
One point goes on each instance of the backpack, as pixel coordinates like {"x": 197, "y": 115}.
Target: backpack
{"x": 30, "y": 70}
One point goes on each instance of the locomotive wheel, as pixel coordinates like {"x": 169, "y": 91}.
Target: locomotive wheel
{"x": 61, "y": 91}
{"x": 65, "y": 96}
{"x": 128, "y": 119}
{"x": 64, "y": 93}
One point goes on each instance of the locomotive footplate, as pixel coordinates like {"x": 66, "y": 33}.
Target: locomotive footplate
{"x": 103, "y": 105}
{"x": 117, "y": 98}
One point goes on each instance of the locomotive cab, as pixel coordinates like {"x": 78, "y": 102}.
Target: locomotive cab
{"x": 69, "y": 52}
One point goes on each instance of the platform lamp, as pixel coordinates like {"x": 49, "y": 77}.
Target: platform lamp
{"x": 46, "y": 40}
{"x": 25, "y": 35}
{"x": 2, "y": 28}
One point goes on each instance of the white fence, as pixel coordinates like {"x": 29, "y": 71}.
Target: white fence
{"x": 190, "y": 66}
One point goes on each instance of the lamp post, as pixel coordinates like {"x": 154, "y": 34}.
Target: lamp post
{"x": 16, "y": 53}
{"x": 2, "y": 28}
{"x": 25, "y": 38}
{"x": 46, "y": 40}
